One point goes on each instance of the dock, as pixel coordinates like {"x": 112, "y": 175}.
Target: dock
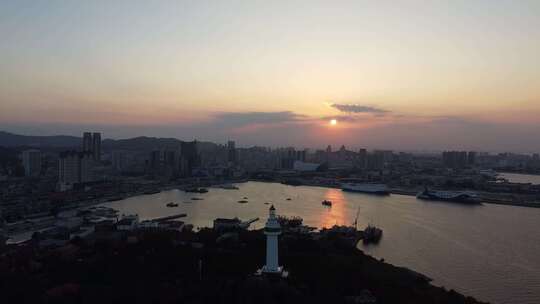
{"x": 170, "y": 217}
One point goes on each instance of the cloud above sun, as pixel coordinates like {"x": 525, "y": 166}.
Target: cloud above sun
{"x": 357, "y": 109}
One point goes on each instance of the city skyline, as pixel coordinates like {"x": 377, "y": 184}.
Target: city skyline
{"x": 406, "y": 75}
{"x": 248, "y": 151}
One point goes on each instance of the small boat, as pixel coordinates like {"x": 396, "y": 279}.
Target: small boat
{"x": 242, "y": 201}
{"x": 196, "y": 199}
{"x": 267, "y": 203}
{"x": 196, "y": 190}
{"x": 172, "y": 204}
{"x": 245, "y": 197}
{"x": 228, "y": 187}
{"x": 289, "y": 199}
{"x": 327, "y": 203}
{"x": 292, "y": 182}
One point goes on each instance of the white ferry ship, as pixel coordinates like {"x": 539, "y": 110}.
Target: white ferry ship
{"x": 449, "y": 196}
{"x": 379, "y": 189}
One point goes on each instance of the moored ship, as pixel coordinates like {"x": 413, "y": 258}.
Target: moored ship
{"x": 379, "y": 189}
{"x": 372, "y": 234}
{"x": 449, "y": 196}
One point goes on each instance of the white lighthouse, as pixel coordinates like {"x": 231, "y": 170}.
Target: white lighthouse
{"x": 272, "y": 229}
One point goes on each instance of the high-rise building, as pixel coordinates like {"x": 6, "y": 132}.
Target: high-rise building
{"x": 170, "y": 159}
{"x": 471, "y": 158}
{"x": 118, "y": 160}
{"x": 375, "y": 160}
{"x": 189, "y": 157}
{"x": 231, "y": 152}
{"x": 87, "y": 142}
{"x": 362, "y": 158}
{"x": 301, "y": 155}
{"x": 86, "y": 167}
{"x": 155, "y": 160}
{"x": 92, "y": 144}
{"x": 96, "y": 146}
{"x": 456, "y": 159}
{"x": 31, "y": 162}
{"x": 75, "y": 168}
{"x": 68, "y": 169}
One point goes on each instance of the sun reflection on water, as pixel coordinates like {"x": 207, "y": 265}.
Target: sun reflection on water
{"x": 337, "y": 214}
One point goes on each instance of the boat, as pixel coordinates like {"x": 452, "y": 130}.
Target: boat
{"x": 289, "y": 199}
{"x": 242, "y": 201}
{"x": 196, "y": 199}
{"x": 292, "y": 182}
{"x": 327, "y": 203}
{"x": 196, "y": 190}
{"x": 228, "y": 187}
{"x": 372, "y": 234}
{"x": 379, "y": 189}
{"x": 172, "y": 204}
{"x": 449, "y": 196}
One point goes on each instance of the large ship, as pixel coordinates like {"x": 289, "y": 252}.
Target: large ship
{"x": 380, "y": 189}
{"x": 449, "y": 196}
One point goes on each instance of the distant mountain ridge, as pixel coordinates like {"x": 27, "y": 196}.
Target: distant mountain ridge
{"x": 141, "y": 143}
{"x": 15, "y": 140}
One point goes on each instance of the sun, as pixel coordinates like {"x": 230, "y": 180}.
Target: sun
{"x": 333, "y": 122}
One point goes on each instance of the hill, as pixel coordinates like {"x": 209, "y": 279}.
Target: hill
{"x": 141, "y": 143}
{"x": 15, "y": 140}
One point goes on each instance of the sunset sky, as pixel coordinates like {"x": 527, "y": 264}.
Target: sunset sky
{"x": 406, "y": 75}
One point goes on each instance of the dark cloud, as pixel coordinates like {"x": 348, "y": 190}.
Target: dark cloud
{"x": 354, "y": 108}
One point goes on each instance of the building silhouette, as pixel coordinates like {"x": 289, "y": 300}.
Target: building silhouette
{"x": 92, "y": 144}
{"x": 75, "y": 168}
{"x": 31, "y": 160}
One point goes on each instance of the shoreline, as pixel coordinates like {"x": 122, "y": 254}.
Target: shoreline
{"x": 393, "y": 191}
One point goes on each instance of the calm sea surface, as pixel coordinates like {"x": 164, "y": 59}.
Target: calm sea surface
{"x": 491, "y": 252}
